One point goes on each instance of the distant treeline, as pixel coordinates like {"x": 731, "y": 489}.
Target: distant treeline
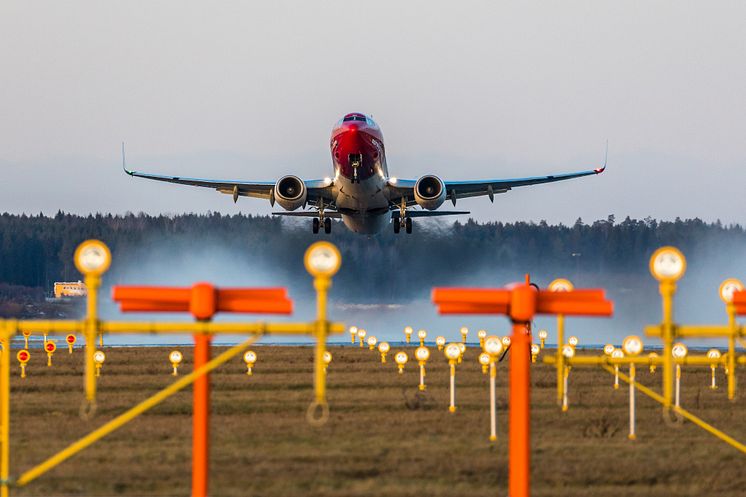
{"x": 35, "y": 251}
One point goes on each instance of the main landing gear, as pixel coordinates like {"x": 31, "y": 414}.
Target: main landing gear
{"x": 317, "y": 225}
{"x": 407, "y": 222}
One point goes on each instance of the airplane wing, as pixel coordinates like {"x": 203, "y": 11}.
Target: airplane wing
{"x": 318, "y": 189}
{"x": 490, "y": 187}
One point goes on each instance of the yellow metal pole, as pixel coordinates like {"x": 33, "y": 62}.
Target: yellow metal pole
{"x": 321, "y": 284}
{"x": 732, "y": 351}
{"x": 129, "y": 415}
{"x": 93, "y": 283}
{"x": 667, "y": 291}
{"x": 5, "y": 416}
{"x": 560, "y": 358}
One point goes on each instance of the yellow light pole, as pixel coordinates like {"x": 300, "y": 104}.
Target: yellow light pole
{"x": 568, "y": 352}
{"x": 92, "y": 258}
{"x": 484, "y": 361}
{"x": 632, "y": 347}
{"x": 23, "y": 357}
{"x": 361, "y": 333}
{"x": 408, "y": 333}
{"x": 493, "y": 346}
{"x": 535, "y": 350}
{"x": 653, "y": 360}
{"x": 175, "y": 358}
{"x": 99, "y": 357}
{"x": 50, "y": 348}
{"x": 617, "y": 354}
{"x": 383, "y": 348}
{"x": 462, "y": 350}
{"x": 679, "y": 352}
{"x": 481, "y": 334}
{"x": 464, "y": 333}
{"x": 560, "y": 285}
{"x": 4, "y": 414}
{"x": 440, "y": 342}
{"x": 667, "y": 265}
{"x": 543, "y": 338}
{"x": 453, "y": 354}
{"x": 372, "y": 341}
{"x": 401, "y": 359}
{"x": 327, "y": 360}
{"x": 26, "y": 335}
{"x": 249, "y": 358}
{"x": 422, "y": 334}
{"x": 715, "y": 355}
{"x": 353, "y": 334}
{"x": 726, "y": 290}
{"x": 422, "y": 354}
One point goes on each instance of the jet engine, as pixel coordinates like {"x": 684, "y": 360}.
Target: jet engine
{"x": 429, "y": 192}
{"x": 290, "y": 192}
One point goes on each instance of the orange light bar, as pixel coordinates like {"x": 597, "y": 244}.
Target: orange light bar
{"x": 202, "y": 300}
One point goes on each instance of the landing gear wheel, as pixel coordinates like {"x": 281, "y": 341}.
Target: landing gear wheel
{"x": 315, "y": 225}
{"x": 327, "y": 225}
{"x": 397, "y": 225}
{"x": 409, "y": 225}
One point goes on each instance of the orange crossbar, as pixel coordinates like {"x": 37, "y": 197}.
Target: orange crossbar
{"x": 203, "y": 300}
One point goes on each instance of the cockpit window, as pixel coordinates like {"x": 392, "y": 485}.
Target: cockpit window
{"x": 354, "y": 117}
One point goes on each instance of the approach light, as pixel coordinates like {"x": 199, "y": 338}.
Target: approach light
{"x": 632, "y": 345}
{"x": 535, "y": 349}
{"x": 568, "y": 351}
{"x": 422, "y": 354}
{"x": 462, "y": 349}
{"x": 484, "y": 360}
{"x": 560, "y": 285}
{"x": 506, "y": 341}
{"x": 383, "y": 348}
{"x": 327, "y": 358}
{"x": 92, "y": 258}
{"x": 667, "y": 264}
{"x": 322, "y": 259}
{"x": 616, "y": 354}
{"x": 543, "y": 335}
{"x": 573, "y": 340}
{"x": 440, "y": 342}
{"x": 679, "y": 350}
{"x": 714, "y": 355}
{"x": 493, "y": 346}
{"x": 361, "y": 335}
{"x": 372, "y": 341}
{"x": 175, "y": 358}
{"x": 98, "y": 358}
{"x": 728, "y": 288}
{"x": 481, "y": 334}
{"x": 452, "y": 352}
{"x": 401, "y": 359}
{"x": 464, "y": 332}
{"x": 608, "y": 349}
{"x": 353, "y": 333}
{"x": 23, "y": 357}
{"x": 422, "y": 334}
{"x": 653, "y": 357}
{"x": 249, "y": 358}
{"x": 408, "y": 333}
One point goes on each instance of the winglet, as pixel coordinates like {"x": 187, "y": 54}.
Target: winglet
{"x": 599, "y": 170}
{"x": 124, "y": 163}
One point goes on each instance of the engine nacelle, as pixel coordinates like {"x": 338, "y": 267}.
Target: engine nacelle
{"x": 429, "y": 192}
{"x": 290, "y": 192}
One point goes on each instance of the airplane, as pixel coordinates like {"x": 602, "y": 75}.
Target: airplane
{"x": 361, "y": 193}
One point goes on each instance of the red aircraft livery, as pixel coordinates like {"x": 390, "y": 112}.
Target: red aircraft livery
{"x": 361, "y": 193}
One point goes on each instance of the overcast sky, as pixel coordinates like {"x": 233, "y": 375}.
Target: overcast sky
{"x": 465, "y": 90}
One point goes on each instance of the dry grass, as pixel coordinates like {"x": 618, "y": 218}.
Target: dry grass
{"x": 382, "y": 438}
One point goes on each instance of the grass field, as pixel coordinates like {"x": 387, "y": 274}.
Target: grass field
{"x": 382, "y": 438}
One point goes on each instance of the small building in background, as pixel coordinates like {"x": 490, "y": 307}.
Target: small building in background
{"x": 63, "y": 289}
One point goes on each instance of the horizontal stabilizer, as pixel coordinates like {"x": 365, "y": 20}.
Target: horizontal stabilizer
{"x": 395, "y": 214}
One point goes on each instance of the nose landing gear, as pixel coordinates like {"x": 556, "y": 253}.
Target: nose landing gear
{"x": 405, "y": 222}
